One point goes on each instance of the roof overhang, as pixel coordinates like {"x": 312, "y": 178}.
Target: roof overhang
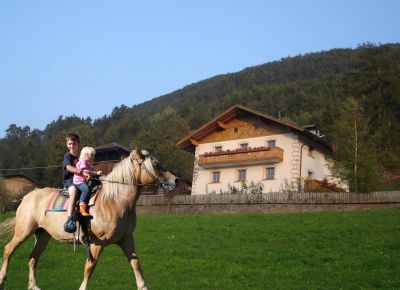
{"x": 190, "y": 142}
{"x": 20, "y": 175}
{"x": 113, "y": 147}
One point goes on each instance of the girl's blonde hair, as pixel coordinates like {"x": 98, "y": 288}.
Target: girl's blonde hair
{"x": 87, "y": 152}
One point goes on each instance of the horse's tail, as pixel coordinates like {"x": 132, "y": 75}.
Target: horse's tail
{"x": 7, "y": 228}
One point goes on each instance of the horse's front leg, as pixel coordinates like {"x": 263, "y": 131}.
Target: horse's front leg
{"x": 42, "y": 239}
{"x": 128, "y": 247}
{"x": 95, "y": 251}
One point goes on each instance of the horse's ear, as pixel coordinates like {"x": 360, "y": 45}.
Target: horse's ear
{"x": 139, "y": 153}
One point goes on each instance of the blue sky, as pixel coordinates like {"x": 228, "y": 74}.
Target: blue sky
{"x": 86, "y": 57}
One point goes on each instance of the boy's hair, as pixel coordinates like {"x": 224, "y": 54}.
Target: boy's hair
{"x": 73, "y": 137}
{"x": 87, "y": 151}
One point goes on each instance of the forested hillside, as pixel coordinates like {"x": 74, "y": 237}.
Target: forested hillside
{"x": 348, "y": 92}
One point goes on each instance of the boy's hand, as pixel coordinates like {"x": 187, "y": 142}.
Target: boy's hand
{"x": 99, "y": 172}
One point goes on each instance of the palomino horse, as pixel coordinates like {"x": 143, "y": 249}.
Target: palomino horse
{"x": 114, "y": 217}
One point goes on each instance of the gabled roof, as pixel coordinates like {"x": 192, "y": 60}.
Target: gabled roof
{"x": 187, "y": 142}
{"x": 113, "y": 146}
{"x": 9, "y": 176}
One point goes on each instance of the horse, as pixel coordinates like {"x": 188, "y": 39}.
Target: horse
{"x": 114, "y": 218}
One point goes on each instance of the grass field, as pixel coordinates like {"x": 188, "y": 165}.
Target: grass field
{"x": 328, "y": 250}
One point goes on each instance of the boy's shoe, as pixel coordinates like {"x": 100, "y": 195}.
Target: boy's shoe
{"x": 70, "y": 226}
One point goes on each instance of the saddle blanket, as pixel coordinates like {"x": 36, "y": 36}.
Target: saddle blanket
{"x": 59, "y": 201}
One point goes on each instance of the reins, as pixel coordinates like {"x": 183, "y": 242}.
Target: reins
{"x": 124, "y": 183}
{"x": 147, "y": 166}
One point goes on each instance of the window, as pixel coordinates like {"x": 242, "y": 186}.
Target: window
{"x": 235, "y": 130}
{"x": 310, "y": 151}
{"x": 215, "y": 177}
{"x": 271, "y": 143}
{"x": 310, "y": 174}
{"x": 241, "y": 175}
{"x": 244, "y": 146}
{"x": 218, "y": 149}
{"x": 270, "y": 173}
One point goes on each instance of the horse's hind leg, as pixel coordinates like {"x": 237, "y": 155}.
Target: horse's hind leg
{"x": 8, "y": 251}
{"x": 42, "y": 239}
{"x": 19, "y": 237}
{"x": 128, "y": 247}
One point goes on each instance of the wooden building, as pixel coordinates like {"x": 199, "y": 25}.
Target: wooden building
{"x": 108, "y": 155}
{"x": 17, "y": 185}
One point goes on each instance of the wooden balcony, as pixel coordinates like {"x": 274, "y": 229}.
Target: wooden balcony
{"x": 254, "y": 156}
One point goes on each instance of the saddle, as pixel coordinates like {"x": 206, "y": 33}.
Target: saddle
{"x": 59, "y": 200}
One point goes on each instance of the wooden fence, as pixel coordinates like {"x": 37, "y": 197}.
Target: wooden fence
{"x": 273, "y": 198}
{"x": 266, "y": 202}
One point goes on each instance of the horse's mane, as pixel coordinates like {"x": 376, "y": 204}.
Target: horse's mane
{"x": 120, "y": 181}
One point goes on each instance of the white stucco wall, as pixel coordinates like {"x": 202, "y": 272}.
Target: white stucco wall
{"x": 316, "y": 164}
{"x": 287, "y": 170}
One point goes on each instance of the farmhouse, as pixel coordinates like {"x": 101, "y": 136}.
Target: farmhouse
{"x": 244, "y": 145}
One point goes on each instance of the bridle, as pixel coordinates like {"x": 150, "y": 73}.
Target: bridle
{"x": 148, "y": 166}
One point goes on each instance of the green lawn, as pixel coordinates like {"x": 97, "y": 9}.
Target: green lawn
{"x": 328, "y": 250}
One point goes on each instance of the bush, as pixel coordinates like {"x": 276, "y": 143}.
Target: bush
{"x": 252, "y": 188}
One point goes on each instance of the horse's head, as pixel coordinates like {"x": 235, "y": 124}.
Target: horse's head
{"x": 151, "y": 170}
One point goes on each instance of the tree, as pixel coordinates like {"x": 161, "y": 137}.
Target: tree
{"x": 159, "y": 134}
{"x": 356, "y": 158}
{"x": 15, "y": 131}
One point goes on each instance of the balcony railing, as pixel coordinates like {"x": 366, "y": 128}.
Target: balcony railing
{"x": 241, "y": 157}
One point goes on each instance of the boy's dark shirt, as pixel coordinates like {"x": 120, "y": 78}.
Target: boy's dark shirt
{"x": 69, "y": 159}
